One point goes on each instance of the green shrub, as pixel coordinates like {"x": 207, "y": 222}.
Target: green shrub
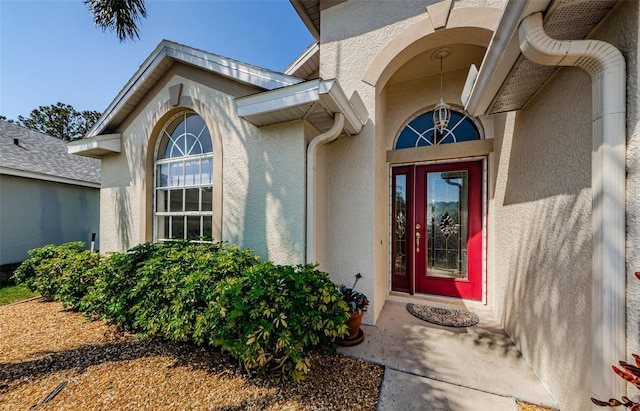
{"x": 273, "y": 316}
{"x": 78, "y": 276}
{"x": 177, "y": 282}
{"x": 117, "y": 274}
{"x": 268, "y": 316}
{"x": 61, "y": 272}
{"x": 159, "y": 289}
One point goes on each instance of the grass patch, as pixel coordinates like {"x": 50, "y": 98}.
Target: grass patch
{"x": 13, "y": 293}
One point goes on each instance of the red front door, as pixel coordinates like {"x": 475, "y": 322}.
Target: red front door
{"x": 437, "y": 245}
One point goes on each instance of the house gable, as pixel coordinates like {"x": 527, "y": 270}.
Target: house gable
{"x": 162, "y": 59}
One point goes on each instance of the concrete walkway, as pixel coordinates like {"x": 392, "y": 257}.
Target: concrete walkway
{"x": 429, "y": 367}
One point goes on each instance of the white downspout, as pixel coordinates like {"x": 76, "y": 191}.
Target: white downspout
{"x": 606, "y": 66}
{"x": 324, "y": 138}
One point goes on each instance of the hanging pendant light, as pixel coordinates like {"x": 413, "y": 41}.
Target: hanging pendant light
{"x": 441, "y": 112}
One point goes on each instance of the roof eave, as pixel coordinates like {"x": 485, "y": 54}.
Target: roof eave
{"x": 96, "y": 146}
{"x": 238, "y": 71}
{"x": 306, "y": 19}
{"x": 305, "y": 59}
{"x": 47, "y": 177}
{"x": 501, "y": 55}
{"x": 267, "y": 108}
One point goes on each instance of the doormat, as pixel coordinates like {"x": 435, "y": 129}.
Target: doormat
{"x": 443, "y": 316}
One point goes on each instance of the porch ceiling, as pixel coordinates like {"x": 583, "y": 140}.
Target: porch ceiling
{"x": 563, "y": 20}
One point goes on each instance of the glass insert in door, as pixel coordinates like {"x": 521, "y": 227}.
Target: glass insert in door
{"x": 400, "y": 224}
{"x": 447, "y": 224}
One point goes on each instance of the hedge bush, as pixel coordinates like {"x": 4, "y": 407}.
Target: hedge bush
{"x": 64, "y": 273}
{"x": 157, "y": 289}
{"x": 177, "y": 282}
{"x": 117, "y": 274}
{"x": 271, "y": 318}
{"x": 268, "y": 316}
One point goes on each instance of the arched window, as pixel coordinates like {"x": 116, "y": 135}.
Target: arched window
{"x": 183, "y": 180}
{"x": 421, "y": 132}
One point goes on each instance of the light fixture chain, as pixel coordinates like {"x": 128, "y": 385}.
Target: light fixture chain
{"x": 441, "y": 112}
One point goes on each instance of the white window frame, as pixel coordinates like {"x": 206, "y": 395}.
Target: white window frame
{"x": 182, "y": 187}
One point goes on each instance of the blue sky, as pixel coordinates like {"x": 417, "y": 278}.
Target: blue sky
{"x": 50, "y": 50}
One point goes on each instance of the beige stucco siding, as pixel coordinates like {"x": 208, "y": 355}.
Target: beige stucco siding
{"x": 354, "y": 36}
{"x": 544, "y": 271}
{"x": 541, "y": 224}
{"x": 264, "y": 190}
{"x": 257, "y": 171}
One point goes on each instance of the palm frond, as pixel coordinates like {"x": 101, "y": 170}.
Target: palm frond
{"x": 119, "y": 15}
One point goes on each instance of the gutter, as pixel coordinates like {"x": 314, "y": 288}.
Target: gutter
{"x": 48, "y": 177}
{"x": 324, "y": 138}
{"x": 96, "y": 146}
{"x": 606, "y": 66}
{"x": 300, "y": 102}
{"x": 502, "y": 54}
{"x": 271, "y": 107}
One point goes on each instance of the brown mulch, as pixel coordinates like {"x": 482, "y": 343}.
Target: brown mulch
{"x": 525, "y": 406}
{"x": 44, "y": 347}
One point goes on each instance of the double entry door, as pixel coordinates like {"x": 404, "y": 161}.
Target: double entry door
{"x": 437, "y": 229}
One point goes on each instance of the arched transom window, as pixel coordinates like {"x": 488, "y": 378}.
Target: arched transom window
{"x": 421, "y": 132}
{"x": 183, "y": 180}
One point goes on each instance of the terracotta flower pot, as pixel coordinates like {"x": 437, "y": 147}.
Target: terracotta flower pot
{"x": 354, "y": 324}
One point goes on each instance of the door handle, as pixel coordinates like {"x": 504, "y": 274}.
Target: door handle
{"x": 417, "y": 242}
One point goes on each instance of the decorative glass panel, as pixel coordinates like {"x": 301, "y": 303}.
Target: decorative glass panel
{"x": 400, "y": 224}
{"x": 187, "y": 135}
{"x": 421, "y": 132}
{"x": 205, "y": 140}
{"x": 447, "y": 217}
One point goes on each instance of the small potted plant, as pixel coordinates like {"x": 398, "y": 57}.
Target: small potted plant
{"x": 357, "y": 303}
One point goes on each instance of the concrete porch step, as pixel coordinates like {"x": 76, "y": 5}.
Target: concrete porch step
{"x": 430, "y": 367}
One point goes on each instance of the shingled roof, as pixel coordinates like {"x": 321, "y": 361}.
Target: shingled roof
{"x": 43, "y": 157}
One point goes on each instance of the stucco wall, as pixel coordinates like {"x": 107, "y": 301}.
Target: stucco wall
{"x": 542, "y": 221}
{"x": 352, "y": 33}
{"x": 34, "y": 213}
{"x": 268, "y": 178}
{"x": 353, "y": 36}
{"x": 261, "y": 189}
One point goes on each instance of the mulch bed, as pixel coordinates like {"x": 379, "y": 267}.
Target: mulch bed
{"x": 44, "y": 349}
{"x": 525, "y": 406}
